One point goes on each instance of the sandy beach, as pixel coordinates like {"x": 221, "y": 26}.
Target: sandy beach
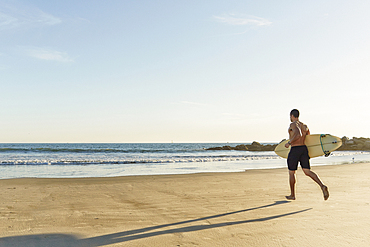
{"x": 211, "y": 209}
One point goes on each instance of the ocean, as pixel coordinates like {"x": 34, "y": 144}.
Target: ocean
{"x": 56, "y": 160}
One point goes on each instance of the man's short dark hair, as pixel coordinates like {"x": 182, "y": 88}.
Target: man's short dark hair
{"x": 294, "y": 113}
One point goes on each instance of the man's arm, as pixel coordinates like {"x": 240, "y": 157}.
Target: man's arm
{"x": 294, "y": 134}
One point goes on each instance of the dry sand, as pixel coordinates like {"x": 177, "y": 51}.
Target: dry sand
{"x": 219, "y": 209}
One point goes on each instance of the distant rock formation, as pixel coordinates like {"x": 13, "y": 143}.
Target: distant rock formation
{"x": 356, "y": 143}
{"x": 255, "y": 146}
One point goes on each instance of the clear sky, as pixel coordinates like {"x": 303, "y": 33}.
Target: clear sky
{"x": 182, "y": 71}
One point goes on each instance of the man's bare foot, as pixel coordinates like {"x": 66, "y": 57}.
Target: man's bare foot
{"x": 290, "y": 197}
{"x": 325, "y": 191}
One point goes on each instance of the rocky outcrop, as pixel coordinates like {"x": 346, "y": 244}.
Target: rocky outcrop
{"x": 255, "y": 146}
{"x": 356, "y": 143}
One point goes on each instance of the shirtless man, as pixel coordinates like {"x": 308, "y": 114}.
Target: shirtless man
{"x": 297, "y": 134}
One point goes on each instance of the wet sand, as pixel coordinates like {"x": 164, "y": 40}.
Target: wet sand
{"x": 212, "y": 209}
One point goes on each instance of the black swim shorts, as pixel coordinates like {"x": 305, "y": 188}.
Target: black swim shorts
{"x": 298, "y": 153}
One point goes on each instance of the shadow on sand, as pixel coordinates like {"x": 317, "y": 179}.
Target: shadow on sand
{"x": 63, "y": 240}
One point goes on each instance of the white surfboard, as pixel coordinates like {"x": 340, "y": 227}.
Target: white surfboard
{"x": 317, "y": 145}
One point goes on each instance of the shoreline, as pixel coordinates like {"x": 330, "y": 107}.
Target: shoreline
{"x": 181, "y": 174}
{"x": 205, "y": 209}
{"x": 244, "y": 166}
{"x": 127, "y": 160}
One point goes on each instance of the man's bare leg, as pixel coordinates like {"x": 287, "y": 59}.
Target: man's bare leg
{"x": 292, "y": 185}
{"x": 316, "y": 178}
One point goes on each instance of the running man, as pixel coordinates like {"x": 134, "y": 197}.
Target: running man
{"x": 299, "y": 153}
